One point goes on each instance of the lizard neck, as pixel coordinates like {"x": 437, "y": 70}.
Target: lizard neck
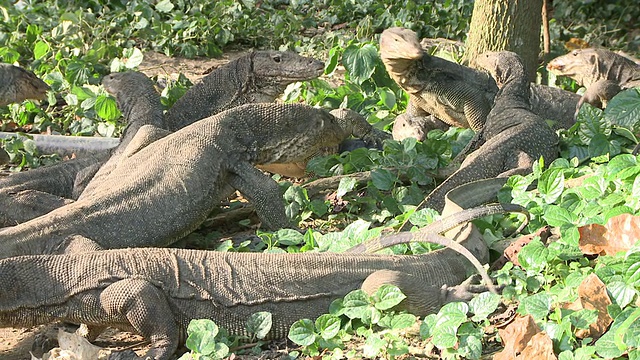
{"x": 403, "y": 72}
{"x": 514, "y": 91}
{"x": 143, "y": 108}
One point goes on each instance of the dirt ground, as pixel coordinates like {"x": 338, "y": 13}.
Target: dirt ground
{"x": 16, "y": 344}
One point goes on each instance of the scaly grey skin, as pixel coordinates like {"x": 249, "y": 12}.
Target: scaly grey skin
{"x": 36, "y": 192}
{"x": 513, "y": 138}
{"x": 603, "y": 72}
{"x": 140, "y": 104}
{"x": 156, "y": 292}
{"x": 154, "y": 203}
{"x": 466, "y": 96}
{"x": 258, "y": 77}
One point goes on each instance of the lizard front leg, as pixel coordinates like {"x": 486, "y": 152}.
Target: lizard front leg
{"x": 142, "y": 305}
{"x": 263, "y": 192}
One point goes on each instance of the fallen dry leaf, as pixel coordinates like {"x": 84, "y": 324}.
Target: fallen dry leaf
{"x": 620, "y": 233}
{"x": 539, "y": 347}
{"x": 516, "y": 336}
{"x": 592, "y": 295}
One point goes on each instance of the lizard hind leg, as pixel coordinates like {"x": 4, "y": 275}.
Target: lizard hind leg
{"x": 145, "y": 307}
{"x": 422, "y": 299}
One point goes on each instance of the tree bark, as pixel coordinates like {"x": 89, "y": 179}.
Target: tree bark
{"x": 512, "y": 25}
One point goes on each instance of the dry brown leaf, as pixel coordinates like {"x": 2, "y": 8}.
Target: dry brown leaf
{"x": 539, "y": 347}
{"x": 592, "y": 294}
{"x": 618, "y": 234}
{"x": 516, "y": 336}
{"x": 575, "y": 43}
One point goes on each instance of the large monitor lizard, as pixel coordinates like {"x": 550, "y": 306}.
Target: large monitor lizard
{"x": 160, "y": 192}
{"x": 259, "y": 76}
{"x": 513, "y": 137}
{"x": 443, "y": 93}
{"x": 602, "y": 72}
{"x": 156, "y": 292}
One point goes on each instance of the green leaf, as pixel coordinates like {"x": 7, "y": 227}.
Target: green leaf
{"x": 202, "y": 335}
{"x": 483, "y": 305}
{"x": 551, "y": 184}
{"x": 558, "y": 216}
{"x": 624, "y": 109}
{"x": 29, "y": 146}
{"x": 388, "y": 296}
{"x": 289, "y": 237}
{"x": 40, "y": 49}
{"x": 581, "y": 319}
{"x": 622, "y": 293}
{"x": 83, "y": 92}
{"x": 387, "y": 97}
{"x": 360, "y": 62}
{"x": 533, "y": 256}
{"x": 164, "y": 6}
{"x": 383, "y": 179}
{"x": 537, "y": 305}
{"x": 32, "y": 32}
{"x": 328, "y": 326}
{"x": 259, "y": 324}
{"x": 373, "y": 346}
{"x": 592, "y": 188}
{"x": 444, "y": 340}
{"x": 355, "y": 304}
{"x": 132, "y": 58}
{"x": 471, "y": 347}
{"x": 627, "y": 333}
{"x": 346, "y": 184}
{"x": 106, "y": 107}
{"x": 599, "y": 145}
{"x": 402, "y": 321}
{"x": 427, "y": 325}
{"x": 591, "y": 122}
{"x": 302, "y": 332}
{"x": 332, "y": 60}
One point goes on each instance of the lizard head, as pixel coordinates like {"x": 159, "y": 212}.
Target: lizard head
{"x": 398, "y": 43}
{"x": 291, "y": 133}
{"x": 588, "y": 66}
{"x": 124, "y": 82}
{"x": 574, "y": 64}
{"x": 284, "y": 67}
{"x": 18, "y": 84}
{"x": 502, "y": 65}
{"x": 132, "y": 90}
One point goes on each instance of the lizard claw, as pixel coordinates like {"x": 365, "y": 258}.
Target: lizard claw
{"x": 466, "y": 290}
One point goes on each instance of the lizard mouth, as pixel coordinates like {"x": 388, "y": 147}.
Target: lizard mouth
{"x": 552, "y": 66}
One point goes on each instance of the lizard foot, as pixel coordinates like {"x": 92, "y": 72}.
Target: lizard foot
{"x": 466, "y": 290}
{"x": 43, "y": 343}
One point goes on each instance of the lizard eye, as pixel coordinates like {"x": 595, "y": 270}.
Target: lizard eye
{"x": 276, "y": 58}
{"x": 575, "y": 53}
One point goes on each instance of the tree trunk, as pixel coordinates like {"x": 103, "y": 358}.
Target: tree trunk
{"x": 512, "y": 25}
